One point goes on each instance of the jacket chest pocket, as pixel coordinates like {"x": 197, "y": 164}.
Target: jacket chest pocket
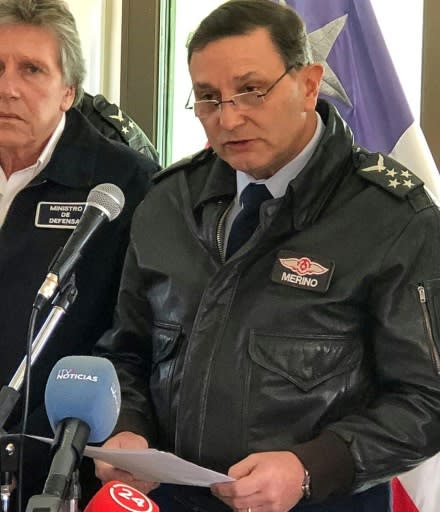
{"x": 298, "y": 383}
{"x": 165, "y": 336}
{"x": 306, "y": 361}
{"x": 165, "y": 345}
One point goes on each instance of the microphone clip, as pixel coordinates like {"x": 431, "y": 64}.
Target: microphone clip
{"x": 66, "y": 296}
{"x": 10, "y": 446}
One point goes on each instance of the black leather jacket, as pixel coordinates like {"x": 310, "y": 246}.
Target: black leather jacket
{"x": 82, "y": 159}
{"x": 319, "y": 336}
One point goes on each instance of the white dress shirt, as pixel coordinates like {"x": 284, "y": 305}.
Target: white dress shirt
{"x": 18, "y": 180}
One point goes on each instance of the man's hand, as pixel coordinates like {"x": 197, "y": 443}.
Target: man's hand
{"x": 268, "y": 481}
{"x": 106, "y": 472}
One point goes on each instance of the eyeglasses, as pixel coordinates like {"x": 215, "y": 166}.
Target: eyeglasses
{"x": 242, "y": 101}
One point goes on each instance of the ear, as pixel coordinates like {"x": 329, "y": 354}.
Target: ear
{"x": 68, "y": 98}
{"x": 312, "y": 80}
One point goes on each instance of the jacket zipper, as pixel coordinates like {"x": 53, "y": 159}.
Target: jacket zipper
{"x": 221, "y": 233}
{"x": 434, "y": 351}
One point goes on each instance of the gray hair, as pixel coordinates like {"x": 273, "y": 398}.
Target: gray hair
{"x": 53, "y": 15}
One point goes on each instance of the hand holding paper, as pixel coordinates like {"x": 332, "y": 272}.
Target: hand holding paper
{"x": 153, "y": 465}
{"x": 147, "y": 464}
{"x": 107, "y": 470}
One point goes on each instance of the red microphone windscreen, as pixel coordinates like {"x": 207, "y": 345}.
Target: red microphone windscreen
{"x": 115, "y": 496}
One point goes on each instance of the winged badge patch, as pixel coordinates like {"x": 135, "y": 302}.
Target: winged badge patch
{"x": 303, "y": 266}
{"x": 300, "y": 271}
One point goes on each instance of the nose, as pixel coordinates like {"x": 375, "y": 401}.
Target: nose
{"x": 8, "y": 84}
{"x": 230, "y": 116}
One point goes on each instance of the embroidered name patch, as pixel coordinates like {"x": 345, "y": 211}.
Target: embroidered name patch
{"x": 59, "y": 215}
{"x": 303, "y": 271}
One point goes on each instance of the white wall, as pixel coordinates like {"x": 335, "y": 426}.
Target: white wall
{"x": 188, "y": 135}
{"x": 111, "y": 83}
{"x": 89, "y": 19}
{"x": 99, "y": 27}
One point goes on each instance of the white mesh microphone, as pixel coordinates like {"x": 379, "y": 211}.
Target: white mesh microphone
{"x": 104, "y": 203}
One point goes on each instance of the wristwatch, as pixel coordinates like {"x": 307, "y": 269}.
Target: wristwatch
{"x": 306, "y": 485}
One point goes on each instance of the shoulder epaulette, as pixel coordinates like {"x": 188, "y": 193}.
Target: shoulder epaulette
{"x": 193, "y": 160}
{"x": 387, "y": 173}
{"x": 114, "y": 116}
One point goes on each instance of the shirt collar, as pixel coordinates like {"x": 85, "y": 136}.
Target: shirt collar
{"x": 48, "y": 150}
{"x": 278, "y": 183}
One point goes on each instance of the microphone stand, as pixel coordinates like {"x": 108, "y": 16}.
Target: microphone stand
{"x": 11, "y": 444}
{"x": 61, "y": 490}
{"x": 65, "y": 298}
{"x": 74, "y": 492}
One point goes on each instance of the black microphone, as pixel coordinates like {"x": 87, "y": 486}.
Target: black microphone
{"x": 104, "y": 203}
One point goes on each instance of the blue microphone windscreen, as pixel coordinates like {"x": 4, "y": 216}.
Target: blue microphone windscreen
{"x": 85, "y": 388}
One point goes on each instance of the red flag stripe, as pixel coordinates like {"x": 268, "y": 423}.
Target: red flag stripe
{"x": 401, "y": 500}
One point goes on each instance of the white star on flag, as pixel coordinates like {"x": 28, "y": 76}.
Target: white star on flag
{"x": 322, "y": 41}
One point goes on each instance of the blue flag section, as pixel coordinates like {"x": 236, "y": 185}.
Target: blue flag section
{"x": 360, "y": 78}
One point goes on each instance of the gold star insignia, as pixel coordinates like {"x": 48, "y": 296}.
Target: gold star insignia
{"x": 393, "y": 183}
{"x": 406, "y": 174}
{"x": 408, "y": 183}
{"x": 391, "y": 173}
{"x": 376, "y": 168}
{"x": 125, "y": 130}
{"x": 131, "y": 124}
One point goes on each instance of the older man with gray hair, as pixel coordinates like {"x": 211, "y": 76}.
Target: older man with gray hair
{"x": 50, "y": 155}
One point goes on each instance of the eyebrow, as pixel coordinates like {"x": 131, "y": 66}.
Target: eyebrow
{"x": 237, "y": 79}
{"x": 24, "y": 58}
{"x": 34, "y": 60}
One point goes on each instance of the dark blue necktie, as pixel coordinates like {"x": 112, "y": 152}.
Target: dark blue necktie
{"x": 248, "y": 219}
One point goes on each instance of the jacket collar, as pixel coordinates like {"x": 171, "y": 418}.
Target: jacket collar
{"x": 219, "y": 183}
{"x": 73, "y": 162}
{"x": 311, "y": 190}
{"x": 314, "y": 186}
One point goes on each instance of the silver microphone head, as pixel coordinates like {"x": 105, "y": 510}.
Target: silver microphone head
{"x": 108, "y": 198}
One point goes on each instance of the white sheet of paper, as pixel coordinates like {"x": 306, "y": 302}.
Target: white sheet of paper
{"x": 154, "y": 465}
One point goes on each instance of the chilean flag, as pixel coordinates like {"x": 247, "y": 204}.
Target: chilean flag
{"x": 361, "y": 81}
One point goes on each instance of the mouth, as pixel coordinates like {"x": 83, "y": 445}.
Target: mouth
{"x": 237, "y": 144}
{"x": 8, "y": 116}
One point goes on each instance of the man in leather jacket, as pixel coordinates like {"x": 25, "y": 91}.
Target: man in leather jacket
{"x": 305, "y": 362}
